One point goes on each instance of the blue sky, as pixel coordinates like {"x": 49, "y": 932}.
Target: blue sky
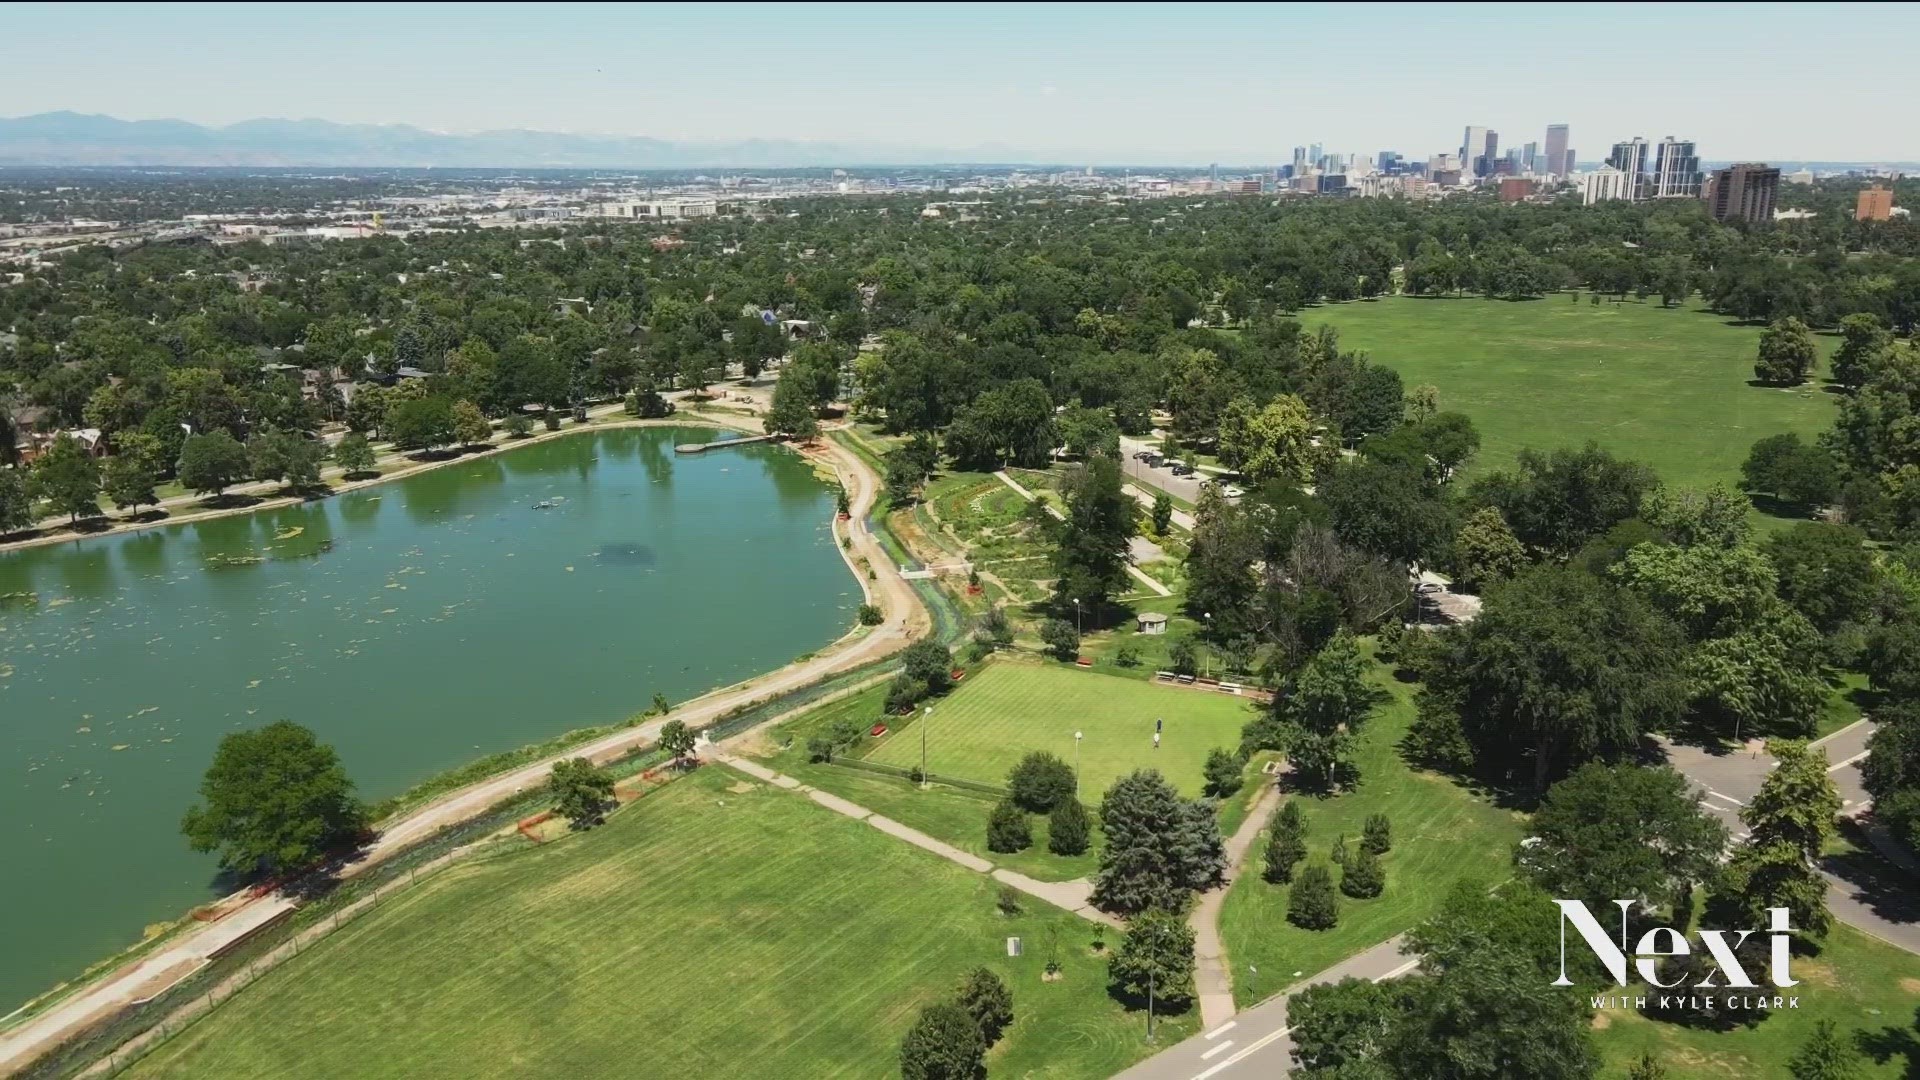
{"x": 1172, "y": 83}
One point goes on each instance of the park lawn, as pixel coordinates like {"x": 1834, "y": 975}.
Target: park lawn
{"x": 719, "y": 927}
{"x": 1867, "y": 987}
{"x": 1011, "y": 707}
{"x": 1442, "y": 835}
{"x": 1664, "y": 386}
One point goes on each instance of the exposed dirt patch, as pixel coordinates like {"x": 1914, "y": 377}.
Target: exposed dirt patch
{"x": 741, "y": 787}
{"x": 1816, "y": 971}
{"x": 1910, "y": 986}
{"x": 1601, "y": 1021}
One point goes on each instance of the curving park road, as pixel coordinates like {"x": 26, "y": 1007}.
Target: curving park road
{"x": 906, "y": 620}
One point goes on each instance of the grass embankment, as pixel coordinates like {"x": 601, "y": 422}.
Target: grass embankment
{"x": 717, "y": 927}
{"x": 1442, "y": 834}
{"x": 1670, "y": 387}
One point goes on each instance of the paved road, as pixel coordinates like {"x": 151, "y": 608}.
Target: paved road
{"x": 1133, "y": 571}
{"x": 905, "y": 621}
{"x": 1162, "y": 478}
{"x": 1860, "y": 890}
{"x": 1254, "y": 1044}
{"x": 1145, "y": 497}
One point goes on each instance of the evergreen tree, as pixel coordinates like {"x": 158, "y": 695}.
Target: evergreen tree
{"x": 1040, "y": 782}
{"x": 1090, "y": 563}
{"x": 986, "y": 998}
{"x": 1362, "y": 877}
{"x": 1826, "y": 1056}
{"x": 1069, "y": 828}
{"x": 944, "y": 1044}
{"x": 1284, "y": 852}
{"x": 1377, "y": 834}
{"x": 1159, "y": 848}
{"x": 1222, "y": 772}
{"x": 1007, "y": 829}
{"x": 1647, "y": 1068}
{"x": 1311, "y": 904}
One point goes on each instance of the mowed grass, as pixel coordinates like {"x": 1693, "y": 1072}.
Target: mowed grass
{"x": 1868, "y": 988}
{"x": 984, "y": 727}
{"x": 719, "y": 927}
{"x": 1664, "y": 386}
{"x": 1442, "y": 834}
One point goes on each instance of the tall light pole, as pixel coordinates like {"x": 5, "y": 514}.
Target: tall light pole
{"x": 1076, "y": 616}
{"x": 1076, "y": 764}
{"x": 926, "y": 718}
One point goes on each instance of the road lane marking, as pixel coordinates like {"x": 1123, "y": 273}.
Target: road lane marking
{"x": 1849, "y": 761}
{"x": 1209, "y": 1054}
{"x": 1242, "y": 1055}
{"x": 1399, "y": 971}
{"x": 1728, "y": 798}
{"x": 1223, "y": 1029}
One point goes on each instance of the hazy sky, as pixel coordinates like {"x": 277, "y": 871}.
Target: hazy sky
{"x": 1167, "y": 83}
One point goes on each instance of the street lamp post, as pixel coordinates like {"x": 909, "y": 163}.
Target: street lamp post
{"x": 926, "y": 718}
{"x": 1076, "y": 617}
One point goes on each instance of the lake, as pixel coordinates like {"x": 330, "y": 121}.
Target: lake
{"x": 414, "y": 625}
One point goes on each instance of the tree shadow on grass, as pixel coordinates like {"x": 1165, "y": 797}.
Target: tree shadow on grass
{"x": 230, "y": 500}
{"x": 1884, "y": 1044}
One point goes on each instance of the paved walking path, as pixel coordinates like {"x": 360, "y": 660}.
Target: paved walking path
{"x": 1145, "y": 498}
{"x": 1069, "y": 895}
{"x": 1254, "y": 1044}
{"x": 1212, "y": 969}
{"x": 905, "y": 622}
{"x": 1137, "y": 573}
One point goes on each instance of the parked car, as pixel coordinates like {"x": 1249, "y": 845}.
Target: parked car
{"x": 1230, "y": 491}
{"x": 1182, "y": 469}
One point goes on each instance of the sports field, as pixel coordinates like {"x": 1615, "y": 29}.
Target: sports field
{"x": 1008, "y": 708}
{"x": 719, "y": 927}
{"x": 1665, "y": 386}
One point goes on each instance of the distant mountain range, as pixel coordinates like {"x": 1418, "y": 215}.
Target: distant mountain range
{"x": 70, "y": 138}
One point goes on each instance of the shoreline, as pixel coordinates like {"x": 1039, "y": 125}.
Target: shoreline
{"x": 123, "y": 525}
{"x": 64, "y": 1011}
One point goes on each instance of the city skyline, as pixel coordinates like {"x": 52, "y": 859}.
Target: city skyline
{"x": 1039, "y": 83}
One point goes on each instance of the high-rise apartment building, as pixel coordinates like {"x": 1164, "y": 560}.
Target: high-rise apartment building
{"x": 1676, "y": 170}
{"x": 1874, "y": 204}
{"x": 1742, "y": 192}
{"x": 1530, "y": 160}
{"x": 1299, "y": 160}
{"x": 1631, "y": 158}
{"x": 1558, "y": 162}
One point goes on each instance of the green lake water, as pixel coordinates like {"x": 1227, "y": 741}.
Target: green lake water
{"x": 414, "y": 625}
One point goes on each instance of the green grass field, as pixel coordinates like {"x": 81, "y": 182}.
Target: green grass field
{"x": 1866, "y": 987}
{"x": 1666, "y": 386}
{"x": 719, "y": 927}
{"x": 1442, "y": 834}
{"x": 1009, "y": 708}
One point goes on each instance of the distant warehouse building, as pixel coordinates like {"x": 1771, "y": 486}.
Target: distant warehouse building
{"x": 1742, "y": 192}
{"x": 660, "y": 210}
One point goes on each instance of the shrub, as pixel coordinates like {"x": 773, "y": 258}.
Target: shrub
{"x": 944, "y": 1044}
{"x": 1040, "y": 782}
{"x": 986, "y": 998}
{"x": 1377, "y": 835}
{"x": 1222, "y": 771}
{"x": 1362, "y": 877}
{"x": 1069, "y": 828}
{"x": 518, "y": 426}
{"x": 1062, "y": 640}
{"x": 1312, "y": 904}
{"x": 871, "y": 615}
{"x": 1008, "y": 901}
{"x": 1007, "y": 829}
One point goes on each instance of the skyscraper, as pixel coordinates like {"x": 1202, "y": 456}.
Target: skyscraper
{"x": 1631, "y": 158}
{"x": 1530, "y": 157}
{"x": 1557, "y": 161}
{"x": 1676, "y": 170}
{"x": 1476, "y": 151}
{"x": 1743, "y": 192}
{"x": 1299, "y": 160}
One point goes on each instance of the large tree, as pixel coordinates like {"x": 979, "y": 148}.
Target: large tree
{"x": 1159, "y": 849}
{"x": 1560, "y": 669}
{"x": 1560, "y": 500}
{"x": 1090, "y": 562}
{"x": 68, "y": 478}
{"x": 1155, "y": 954}
{"x": 944, "y": 1044}
{"x": 1787, "y": 353}
{"x": 1789, "y": 822}
{"x": 212, "y": 463}
{"x": 581, "y": 791}
{"x": 275, "y": 799}
{"x": 1271, "y": 442}
{"x": 1621, "y": 832}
